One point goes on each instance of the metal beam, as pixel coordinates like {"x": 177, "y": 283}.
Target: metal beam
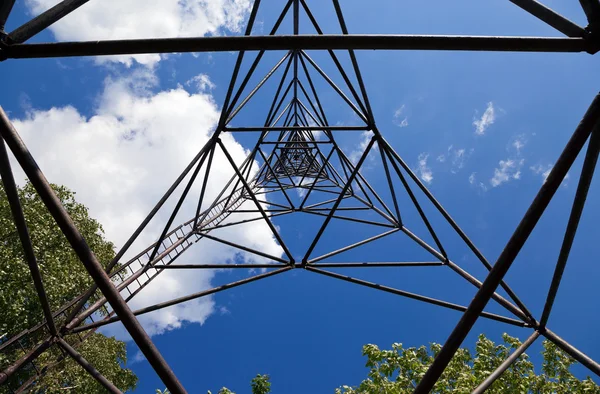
{"x": 306, "y": 42}
{"x": 379, "y": 264}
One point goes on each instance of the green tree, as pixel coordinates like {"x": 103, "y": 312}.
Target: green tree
{"x": 260, "y": 385}
{"x": 64, "y": 278}
{"x": 398, "y": 371}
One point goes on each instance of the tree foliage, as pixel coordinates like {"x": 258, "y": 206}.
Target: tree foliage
{"x": 260, "y": 384}
{"x": 64, "y": 278}
{"x": 398, "y": 371}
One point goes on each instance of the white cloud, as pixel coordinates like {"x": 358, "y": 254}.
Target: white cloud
{"x": 486, "y": 120}
{"x": 138, "y": 356}
{"x": 123, "y": 158}
{"x": 357, "y": 153}
{"x": 423, "y": 171}
{"x": 224, "y": 311}
{"x": 400, "y": 119}
{"x": 202, "y": 83}
{"x": 456, "y": 158}
{"x": 519, "y": 143}
{"x": 507, "y": 170}
{"x": 118, "y": 19}
{"x": 299, "y": 190}
{"x": 544, "y": 171}
{"x": 473, "y": 181}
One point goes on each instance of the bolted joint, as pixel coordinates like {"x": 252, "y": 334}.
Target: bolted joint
{"x": 302, "y": 264}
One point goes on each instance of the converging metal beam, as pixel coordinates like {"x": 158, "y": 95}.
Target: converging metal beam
{"x": 379, "y": 264}
{"x": 218, "y": 266}
{"x": 295, "y": 111}
{"x": 306, "y": 42}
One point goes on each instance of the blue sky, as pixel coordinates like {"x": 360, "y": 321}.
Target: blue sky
{"x": 480, "y": 129}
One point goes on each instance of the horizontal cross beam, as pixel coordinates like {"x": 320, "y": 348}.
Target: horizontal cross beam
{"x": 286, "y": 42}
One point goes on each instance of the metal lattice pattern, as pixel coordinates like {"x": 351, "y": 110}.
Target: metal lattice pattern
{"x": 298, "y": 151}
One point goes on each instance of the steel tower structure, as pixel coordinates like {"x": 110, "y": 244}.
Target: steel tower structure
{"x": 297, "y": 148}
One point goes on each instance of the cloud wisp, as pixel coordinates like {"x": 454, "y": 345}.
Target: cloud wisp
{"x": 455, "y": 158}
{"x": 423, "y": 170}
{"x": 357, "y": 153}
{"x": 476, "y": 183}
{"x": 400, "y": 119}
{"x": 507, "y": 170}
{"x": 486, "y": 120}
{"x": 544, "y": 170}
